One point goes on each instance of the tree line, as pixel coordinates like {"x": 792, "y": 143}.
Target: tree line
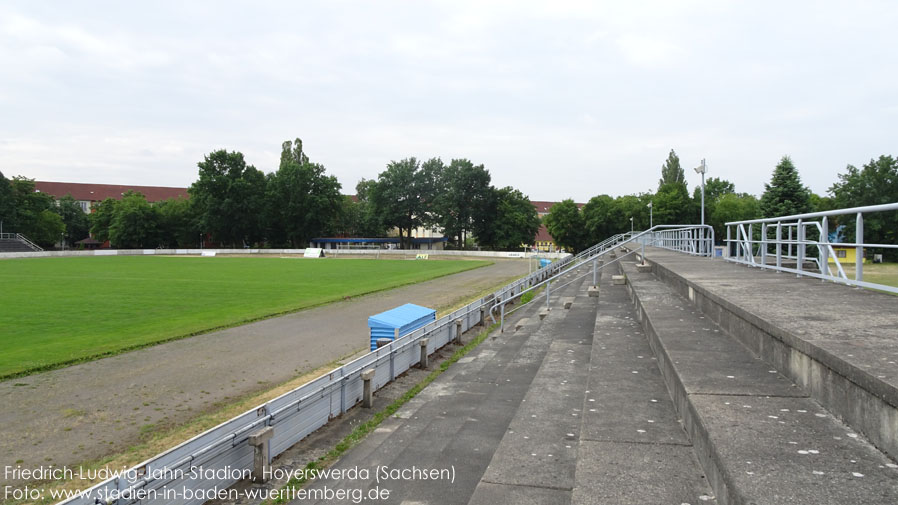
{"x": 602, "y": 216}
{"x": 234, "y": 204}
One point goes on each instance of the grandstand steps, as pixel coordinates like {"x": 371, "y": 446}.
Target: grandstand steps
{"x": 459, "y": 420}
{"x": 632, "y": 447}
{"x": 14, "y": 245}
{"x": 760, "y": 438}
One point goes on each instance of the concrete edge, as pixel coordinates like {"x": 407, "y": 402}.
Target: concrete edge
{"x": 862, "y": 401}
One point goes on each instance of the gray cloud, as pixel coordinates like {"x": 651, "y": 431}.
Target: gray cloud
{"x": 567, "y": 99}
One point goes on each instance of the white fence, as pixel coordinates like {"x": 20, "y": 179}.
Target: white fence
{"x": 386, "y": 253}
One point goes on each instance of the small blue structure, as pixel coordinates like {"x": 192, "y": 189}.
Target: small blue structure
{"x": 543, "y": 262}
{"x": 405, "y": 318}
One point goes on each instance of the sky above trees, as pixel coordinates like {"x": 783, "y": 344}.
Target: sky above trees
{"x": 558, "y": 99}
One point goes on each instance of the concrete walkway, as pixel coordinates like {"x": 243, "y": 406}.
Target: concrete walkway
{"x": 550, "y": 414}
{"x": 93, "y": 409}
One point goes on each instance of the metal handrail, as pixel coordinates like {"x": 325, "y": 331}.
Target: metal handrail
{"x": 274, "y": 412}
{"x": 672, "y": 237}
{"x": 302, "y": 406}
{"x": 790, "y": 242}
{"x": 23, "y": 239}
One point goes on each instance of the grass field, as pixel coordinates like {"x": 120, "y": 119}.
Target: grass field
{"x": 880, "y": 273}
{"x": 55, "y": 311}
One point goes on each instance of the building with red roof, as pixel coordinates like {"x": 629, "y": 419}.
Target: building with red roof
{"x": 89, "y": 194}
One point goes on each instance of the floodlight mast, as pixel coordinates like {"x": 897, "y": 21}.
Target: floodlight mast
{"x": 702, "y": 169}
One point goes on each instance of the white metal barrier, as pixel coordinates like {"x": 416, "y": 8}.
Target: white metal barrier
{"x": 801, "y": 244}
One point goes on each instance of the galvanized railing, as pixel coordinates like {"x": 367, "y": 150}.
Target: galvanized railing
{"x": 801, "y": 244}
{"x": 690, "y": 239}
{"x": 224, "y": 450}
{"x": 21, "y": 238}
{"x": 697, "y": 240}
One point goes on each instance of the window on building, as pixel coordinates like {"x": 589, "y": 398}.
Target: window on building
{"x": 841, "y": 253}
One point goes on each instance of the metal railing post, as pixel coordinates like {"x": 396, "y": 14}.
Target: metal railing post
{"x": 548, "y": 288}
{"x": 800, "y": 251}
{"x": 824, "y": 250}
{"x": 502, "y": 320}
{"x": 789, "y": 250}
{"x": 751, "y": 243}
{"x": 763, "y": 243}
{"x": 859, "y": 249}
{"x": 779, "y": 244}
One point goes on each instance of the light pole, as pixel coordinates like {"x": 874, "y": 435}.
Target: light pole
{"x": 651, "y": 221}
{"x": 631, "y": 225}
{"x": 702, "y": 169}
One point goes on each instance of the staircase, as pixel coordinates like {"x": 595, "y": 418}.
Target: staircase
{"x": 760, "y": 437}
{"x": 15, "y": 242}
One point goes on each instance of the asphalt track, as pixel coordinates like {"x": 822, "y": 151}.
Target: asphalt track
{"x": 90, "y": 410}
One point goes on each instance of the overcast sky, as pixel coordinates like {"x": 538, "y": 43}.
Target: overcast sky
{"x": 559, "y": 99}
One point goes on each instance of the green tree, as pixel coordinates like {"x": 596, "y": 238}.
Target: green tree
{"x": 715, "y": 188}
{"x": 597, "y": 219}
{"x": 176, "y": 223}
{"x": 7, "y": 205}
{"x": 31, "y": 218}
{"x": 101, "y": 219}
{"x": 732, "y": 207}
{"x": 77, "y": 223}
{"x": 370, "y": 222}
{"x": 785, "y": 195}
{"x": 403, "y": 197}
{"x": 874, "y": 184}
{"x": 304, "y": 199}
{"x": 463, "y": 196}
{"x": 135, "y": 224}
{"x": 229, "y": 198}
{"x": 672, "y": 205}
{"x": 47, "y": 228}
{"x": 565, "y": 224}
{"x": 514, "y": 223}
{"x": 671, "y": 171}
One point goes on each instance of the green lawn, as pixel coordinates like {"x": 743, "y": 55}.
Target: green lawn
{"x": 62, "y": 310}
{"x": 880, "y": 273}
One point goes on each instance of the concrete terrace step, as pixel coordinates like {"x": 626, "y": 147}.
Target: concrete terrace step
{"x": 456, "y": 422}
{"x": 632, "y": 447}
{"x": 536, "y": 459}
{"x": 839, "y": 343}
{"x": 759, "y": 438}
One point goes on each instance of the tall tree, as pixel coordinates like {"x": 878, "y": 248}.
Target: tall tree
{"x": 303, "y": 198}
{"x": 672, "y": 205}
{"x": 514, "y": 220}
{"x": 7, "y": 205}
{"x": 671, "y": 171}
{"x": 715, "y": 187}
{"x": 597, "y": 220}
{"x": 565, "y": 223}
{"x": 101, "y": 219}
{"x": 136, "y": 223}
{"x": 785, "y": 195}
{"x": 463, "y": 197}
{"x": 403, "y": 197}
{"x": 874, "y": 184}
{"x": 35, "y": 215}
{"x": 732, "y": 207}
{"x": 229, "y": 196}
{"x": 77, "y": 224}
{"x": 177, "y": 224}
